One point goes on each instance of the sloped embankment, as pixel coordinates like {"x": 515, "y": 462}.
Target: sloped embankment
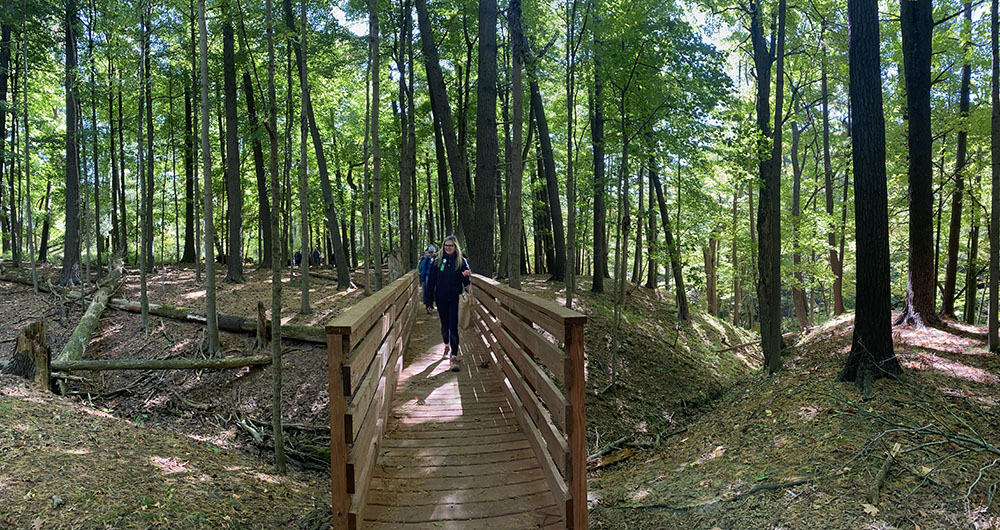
{"x": 800, "y": 450}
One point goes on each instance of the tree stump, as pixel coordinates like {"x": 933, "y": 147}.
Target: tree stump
{"x": 31, "y": 355}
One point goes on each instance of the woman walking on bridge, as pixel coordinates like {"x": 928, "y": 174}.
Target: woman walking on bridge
{"x": 449, "y": 275}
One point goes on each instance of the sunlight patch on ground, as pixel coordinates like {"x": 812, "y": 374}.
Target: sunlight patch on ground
{"x": 223, "y": 440}
{"x": 929, "y": 361}
{"x": 80, "y": 451}
{"x": 986, "y": 401}
{"x": 715, "y": 453}
{"x": 194, "y": 295}
{"x": 937, "y": 339}
{"x": 95, "y": 412}
{"x": 265, "y": 477}
{"x": 169, "y": 466}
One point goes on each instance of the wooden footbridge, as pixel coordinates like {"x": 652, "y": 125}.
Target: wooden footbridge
{"x": 498, "y": 445}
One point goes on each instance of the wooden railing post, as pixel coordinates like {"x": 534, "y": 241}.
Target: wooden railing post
{"x": 575, "y": 388}
{"x": 337, "y": 348}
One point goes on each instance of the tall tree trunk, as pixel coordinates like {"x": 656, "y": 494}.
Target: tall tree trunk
{"x": 43, "y": 245}
{"x": 955, "y": 226}
{"x": 680, "y": 293}
{"x": 144, "y": 176}
{"x": 711, "y": 276}
{"x": 304, "y": 309}
{"x": 514, "y": 191}
{"x": 737, "y": 294}
{"x": 376, "y": 75}
{"x": 442, "y": 113}
{"x": 651, "y": 264}
{"x": 263, "y": 208}
{"x": 572, "y": 44}
{"x": 206, "y": 156}
{"x": 917, "y": 26}
{"x": 122, "y": 208}
{"x": 971, "y": 268}
{"x": 798, "y": 289}
{"x": 4, "y": 75}
{"x": 640, "y": 212}
{"x": 115, "y": 241}
{"x": 234, "y": 184}
{"x": 93, "y": 125}
{"x": 836, "y": 266}
{"x": 70, "y": 274}
{"x": 189, "y": 196}
{"x": 27, "y": 168}
{"x": 480, "y": 237}
{"x": 275, "y": 250}
{"x": 551, "y": 184}
{"x": 991, "y": 318}
{"x": 340, "y": 254}
{"x": 406, "y": 170}
{"x": 769, "y": 168}
{"x": 871, "y": 354}
{"x": 600, "y": 184}
{"x": 150, "y": 161}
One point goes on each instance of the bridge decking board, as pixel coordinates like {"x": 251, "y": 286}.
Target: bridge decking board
{"x": 453, "y": 454}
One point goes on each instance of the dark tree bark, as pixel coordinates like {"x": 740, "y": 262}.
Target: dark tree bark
{"x": 769, "y": 169}
{"x": 737, "y": 291}
{"x": 514, "y": 188}
{"x": 70, "y": 274}
{"x": 43, "y": 246}
{"x": 340, "y": 254}
{"x": 442, "y": 113}
{"x": 798, "y": 289}
{"x": 234, "y": 185}
{"x": 480, "y": 236}
{"x": 407, "y": 166}
{"x": 971, "y": 269}
{"x": 442, "y": 173}
{"x": 123, "y": 232}
{"x": 836, "y": 266}
{"x": 600, "y": 182}
{"x": 551, "y": 184}
{"x": 150, "y": 161}
{"x": 917, "y": 26}
{"x": 375, "y": 56}
{"x": 871, "y": 354}
{"x": 263, "y": 206}
{"x": 955, "y": 226}
{"x": 680, "y": 293}
{"x": 4, "y": 75}
{"x": 93, "y": 125}
{"x": 991, "y": 318}
{"x": 189, "y": 177}
{"x": 115, "y": 241}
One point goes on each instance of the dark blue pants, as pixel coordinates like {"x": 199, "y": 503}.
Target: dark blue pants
{"x": 448, "y": 311}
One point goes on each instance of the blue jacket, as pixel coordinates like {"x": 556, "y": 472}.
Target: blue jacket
{"x": 424, "y": 269}
{"x": 445, "y": 283}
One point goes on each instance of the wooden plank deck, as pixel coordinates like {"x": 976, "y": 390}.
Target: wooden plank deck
{"x": 453, "y": 455}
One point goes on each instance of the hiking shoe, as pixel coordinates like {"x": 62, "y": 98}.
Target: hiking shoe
{"x": 447, "y": 350}
{"x": 454, "y": 364}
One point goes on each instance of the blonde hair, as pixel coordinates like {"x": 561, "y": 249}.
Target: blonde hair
{"x": 458, "y": 253}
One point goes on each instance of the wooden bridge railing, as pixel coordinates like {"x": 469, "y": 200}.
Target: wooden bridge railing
{"x": 365, "y": 346}
{"x": 538, "y": 344}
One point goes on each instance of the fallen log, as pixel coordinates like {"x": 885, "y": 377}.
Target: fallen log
{"x": 77, "y": 344}
{"x": 232, "y": 323}
{"x": 160, "y": 364}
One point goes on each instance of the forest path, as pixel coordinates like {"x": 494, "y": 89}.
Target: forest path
{"x": 453, "y": 455}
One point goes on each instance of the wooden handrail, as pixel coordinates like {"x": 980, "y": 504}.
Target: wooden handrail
{"x": 538, "y": 344}
{"x": 365, "y": 347}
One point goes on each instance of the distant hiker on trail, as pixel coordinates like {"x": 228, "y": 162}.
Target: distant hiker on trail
{"x": 316, "y": 257}
{"x": 298, "y": 258}
{"x": 424, "y": 267}
{"x": 448, "y": 276}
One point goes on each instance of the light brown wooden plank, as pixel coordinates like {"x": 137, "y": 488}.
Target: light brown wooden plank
{"x": 457, "y": 496}
{"x": 458, "y": 448}
{"x": 532, "y": 341}
{"x": 474, "y": 440}
{"x": 470, "y": 470}
{"x": 538, "y": 519}
{"x": 416, "y": 434}
{"x": 472, "y": 510}
{"x": 427, "y": 461}
{"x": 381, "y": 482}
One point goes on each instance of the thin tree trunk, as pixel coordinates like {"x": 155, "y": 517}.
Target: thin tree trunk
{"x": 991, "y": 318}
{"x": 376, "y": 74}
{"x": 551, "y": 184}
{"x": 234, "y": 185}
{"x": 836, "y": 267}
{"x": 27, "y": 169}
{"x": 303, "y": 163}
{"x": 93, "y": 125}
{"x": 798, "y": 288}
{"x": 971, "y": 269}
{"x": 480, "y": 235}
{"x": 206, "y": 155}
{"x": 737, "y": 302}
{"x": 263, "y": 206}
{"x": 70, "y": 274}
{"x": 4, "y": 75}
{"x": 150, "y": 160}
{"x": 143, "y": 177}
{"x": 668, "y": 237}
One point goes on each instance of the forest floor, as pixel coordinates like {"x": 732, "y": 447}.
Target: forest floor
{"x": 709, "y": 441}
{"x": 801, "y": 451}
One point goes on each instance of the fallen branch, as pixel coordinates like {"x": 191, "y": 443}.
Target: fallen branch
{"x": 607, "y": 448}
{"x": 882, "y": 472}
{"x": 160, "y": 364}
{"x": 756, "y": 489}
{"x": 232, "y": 323}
